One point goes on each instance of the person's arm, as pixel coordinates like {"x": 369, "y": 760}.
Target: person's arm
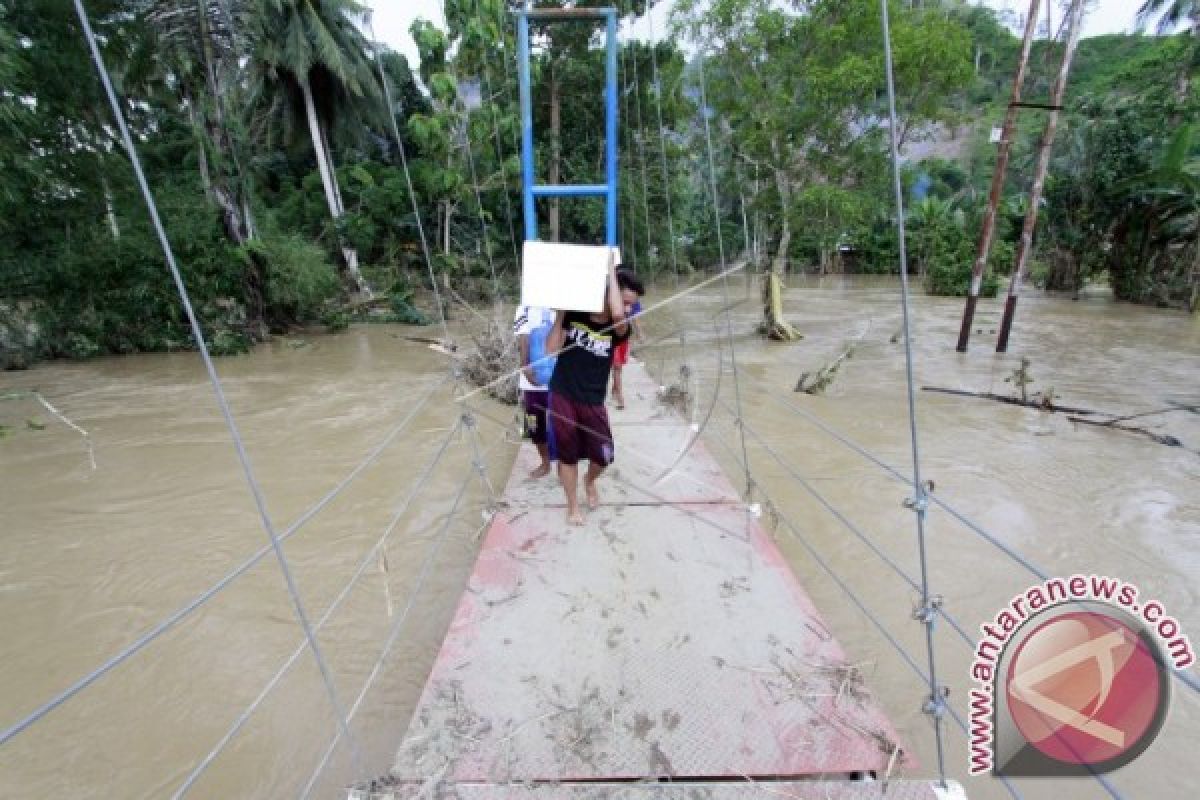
{"x": 526, "y": 367}
{"x": 616, "y": 306}
{"x": 554, "y": 342}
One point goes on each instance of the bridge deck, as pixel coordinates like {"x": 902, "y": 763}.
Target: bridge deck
{"x": 666, "y": 640}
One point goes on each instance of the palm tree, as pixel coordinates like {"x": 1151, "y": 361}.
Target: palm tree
{"x": 310, "y": 62}
{"x": 1174, "y": 13}
{"x": 194, "y": 40}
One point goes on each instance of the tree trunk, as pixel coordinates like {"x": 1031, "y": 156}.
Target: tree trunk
{"x": 337, "y": 189}
{"x": 248, "y": 216}
{"x": 775, "y": 326}
{"x": 110, "y": 211}
{"x": 201, "y": 150}
{"x": 555, "y": 149}
{"x": 314, "y": 131}
{"x": 221, "y": 190}
{"x": 329, "y": 183}
{"x": 783, "y": 187}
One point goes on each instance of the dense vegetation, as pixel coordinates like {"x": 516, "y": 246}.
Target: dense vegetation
{"x": 271, "y": 147}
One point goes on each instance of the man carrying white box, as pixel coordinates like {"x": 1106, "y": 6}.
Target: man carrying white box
{"x": 587, "y": 329}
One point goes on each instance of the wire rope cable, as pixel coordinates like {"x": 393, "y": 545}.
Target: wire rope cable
{"x": 408, "y": 182}
{"x": 716, "y": 204}
{"x": 415, "y": 488}
{"x": 919, "y": 503}
{"x": 227, "y": 413}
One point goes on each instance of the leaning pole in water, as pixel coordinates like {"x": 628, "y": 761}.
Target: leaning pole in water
{"x": 988, "y": 227}
{"x": 1074, "y": 24}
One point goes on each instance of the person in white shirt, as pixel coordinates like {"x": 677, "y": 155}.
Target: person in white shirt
{"x": 531, "y": 326}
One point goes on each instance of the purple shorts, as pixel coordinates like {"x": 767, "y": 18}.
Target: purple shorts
{"x": 535, "y": 415}
{"x": 579, "y": 431}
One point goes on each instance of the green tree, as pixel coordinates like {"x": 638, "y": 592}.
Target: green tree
{"x": 802, "y": 94}
{"x": 195, "y": 48}
{"x": 310, "y": 62}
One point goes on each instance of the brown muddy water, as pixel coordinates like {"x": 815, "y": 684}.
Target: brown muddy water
{"x": 92, "y": 559}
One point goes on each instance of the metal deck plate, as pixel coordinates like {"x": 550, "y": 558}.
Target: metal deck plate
{"x": 655, "y": 464}
{"x": 666, "y": 639}
{"x": 797, "y": 790}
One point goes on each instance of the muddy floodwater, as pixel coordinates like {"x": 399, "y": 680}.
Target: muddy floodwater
{"x": 93, "y": 559}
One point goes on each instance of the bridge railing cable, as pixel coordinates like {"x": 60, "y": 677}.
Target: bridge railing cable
{"x": 408, "y": 182}
{"x": 439, "y": 540}
{"x": 849, "y": 525}
{"x": 795, "y": 531}
{"x": 941, "y": 611}
{"x": 1184, "y": 677}
{"x": 214, "y": 378}
{"x": 716, "y": 208}
{"x": 200, "y": 600}
{"x": 919, "y": 503}
{"x": 370, "y": 557}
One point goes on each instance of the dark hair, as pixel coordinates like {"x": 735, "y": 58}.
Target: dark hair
{"x": 626, "y": 279}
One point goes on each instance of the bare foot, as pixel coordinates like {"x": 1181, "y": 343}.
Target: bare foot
{"x": 540, "y": 472}
{"x": 575, "y": 518}
{"x": 593, "y": 496}
{"x": 620, "y": 402}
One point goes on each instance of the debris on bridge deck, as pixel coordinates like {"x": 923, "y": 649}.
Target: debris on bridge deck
{"x": 667, "y": 640}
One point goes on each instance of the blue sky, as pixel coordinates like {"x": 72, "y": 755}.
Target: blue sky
{"x": 393, "y": 17}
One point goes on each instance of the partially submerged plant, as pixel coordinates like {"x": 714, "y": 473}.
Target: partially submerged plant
{"x": 1021, "y": 378}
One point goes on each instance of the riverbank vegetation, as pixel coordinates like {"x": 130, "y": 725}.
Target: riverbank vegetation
{"x": 269, "y": 134}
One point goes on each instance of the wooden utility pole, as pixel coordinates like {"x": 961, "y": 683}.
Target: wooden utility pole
{"x": 988, "y": 228}
{"x": 1025, "y": 247}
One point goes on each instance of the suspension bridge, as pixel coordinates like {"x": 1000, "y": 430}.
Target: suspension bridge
{"x": 666, "y": 649}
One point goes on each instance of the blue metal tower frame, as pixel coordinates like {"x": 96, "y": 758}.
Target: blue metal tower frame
{"x": 530, "y": 190}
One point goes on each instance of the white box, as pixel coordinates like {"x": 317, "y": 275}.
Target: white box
{"x": 567, "y": 277}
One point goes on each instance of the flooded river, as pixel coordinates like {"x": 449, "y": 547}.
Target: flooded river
{"x": 93, "y": 559}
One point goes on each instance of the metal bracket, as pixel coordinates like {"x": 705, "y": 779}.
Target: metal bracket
{"x": 927, "y": 612}
{"x": 920, "y": 503}
{"x": 935, "y": 706}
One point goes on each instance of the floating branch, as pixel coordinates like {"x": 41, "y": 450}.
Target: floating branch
{"x": 87, "y": 438}
{"x": 817, "y": 382}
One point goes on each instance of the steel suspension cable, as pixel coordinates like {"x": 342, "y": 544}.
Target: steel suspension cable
{"x": 859, "y": 604}
{"x": 212, "y": 591}
{"x": 662, "y": 139}
{"x": 1182, "y": 676}
{"x": 423, "y": 574}
{"x": 483, "y": 226}
{"x": 850, "y": 526}
{"x": 879, "y": 626}
{"x": 716, "y": 204}
{"x": 625, "y": 164}
{"x": 214, "y": 379}
{"x": 487, "y": 84}
{"x": 379, "y": 546}
{"x": 936, "y": 703}
{"x": 412, "y": 193}
{"x": 639, "y": 136}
